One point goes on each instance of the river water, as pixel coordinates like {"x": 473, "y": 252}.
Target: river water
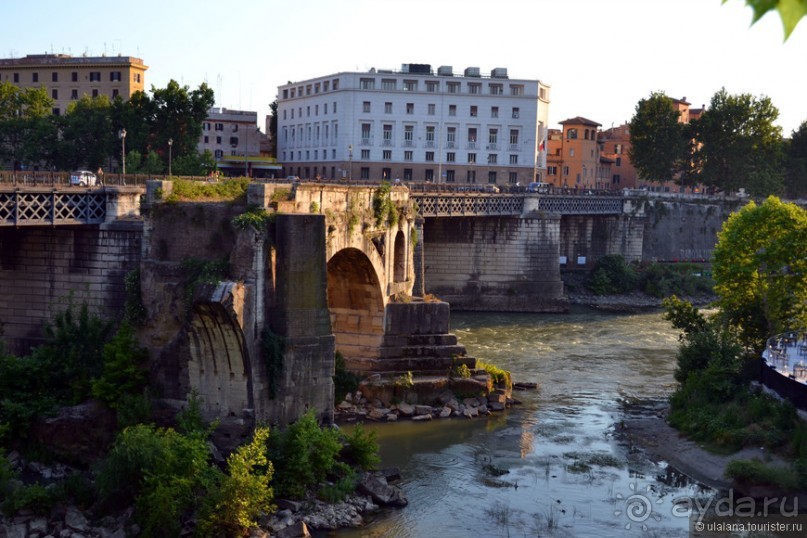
{"x": 564, "y": 471}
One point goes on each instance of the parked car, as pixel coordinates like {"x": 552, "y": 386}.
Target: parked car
{"x": 83, "y": 178}
{"x": 538, "y": 187}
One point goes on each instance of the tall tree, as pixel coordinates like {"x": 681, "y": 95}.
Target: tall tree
{"x": 273, "y": 128}
{"x": 739, "y": 145}
{"x": 796, "y": 173}
{"x": 87, "y": 136}
{"x": 760, "y": 269}
{"x": 658, "y": 142}
{"x": 178, "y": 115}
{"x": 23, "y": 114}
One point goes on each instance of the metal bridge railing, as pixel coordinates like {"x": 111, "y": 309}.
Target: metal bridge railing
{"x": 20, "y": 208}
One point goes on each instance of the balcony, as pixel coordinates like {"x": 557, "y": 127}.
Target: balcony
{"x": 409, "y": 143}
{"x": 472, "y": 145}
{"x": 513, "y": 147}
{"x": 386, "y": 143}
{"x": 492, "y": 147}
{"x": 366, "y": 142}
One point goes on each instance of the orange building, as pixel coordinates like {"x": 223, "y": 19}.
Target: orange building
{"x": 574, "y": 159}
{"x": 615, "y": 144}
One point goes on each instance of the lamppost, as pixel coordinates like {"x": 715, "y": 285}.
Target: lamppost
{"x": 350, "y": 160}
{"x": 246, "y": 153}
{"x": 170, "y": 143}
{"x": 122, "y": 135}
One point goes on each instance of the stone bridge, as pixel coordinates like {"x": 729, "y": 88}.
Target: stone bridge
{"x": 336, "y": 268}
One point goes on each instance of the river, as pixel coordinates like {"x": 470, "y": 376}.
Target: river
{"x": 563, "y": 472}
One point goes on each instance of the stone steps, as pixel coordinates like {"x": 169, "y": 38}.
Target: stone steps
{"x": 425, "y": 365}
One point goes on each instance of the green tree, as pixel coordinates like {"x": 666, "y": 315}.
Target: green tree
{"x": 796, "y": 167}
{"x": 194, "y": 164}
{"x": 760, "y": 270}
{"x": 23, "y": 113}
{"x": 658, "y": 141}
{"x": 179, "y": 114}
{"x": 739, "y": 145}
{"x": 88, "y": 138}
{"x": 273, "y": 128}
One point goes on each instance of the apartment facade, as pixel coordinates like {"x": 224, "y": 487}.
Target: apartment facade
{"x": 68, "y": 79}
{"x": 415, "y": 124}
{"x": 234, "y": 140}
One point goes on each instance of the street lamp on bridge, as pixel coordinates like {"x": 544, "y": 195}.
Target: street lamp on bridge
{"x": 122, "y": 135}
{"x": 170, "y": 143}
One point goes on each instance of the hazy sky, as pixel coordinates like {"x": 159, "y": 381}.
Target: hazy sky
{"x": 600, "y": 57}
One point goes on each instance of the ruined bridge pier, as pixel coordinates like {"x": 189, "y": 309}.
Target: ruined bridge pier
{"x": 332, "y": 271}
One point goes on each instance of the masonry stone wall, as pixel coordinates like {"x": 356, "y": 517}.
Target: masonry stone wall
{"x": 43, "y": 270}
{"x": 584, "y": 239}
{"x": 684, "y": 230}
{"x": 494, "y": 263}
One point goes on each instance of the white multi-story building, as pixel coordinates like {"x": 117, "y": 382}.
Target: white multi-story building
{"x": 415, "y": 125}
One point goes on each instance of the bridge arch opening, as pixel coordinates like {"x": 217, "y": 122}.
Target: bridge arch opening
{"x": 399, "y": 260}
{"x": 218, "y": 368}
{"x": 356, "y": 305}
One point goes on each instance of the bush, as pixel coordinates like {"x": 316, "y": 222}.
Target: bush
{"x": 361, "y": 448}
{"x": 499, "y": 376}
{"x": 228, "y": 189}
{"x": 612, "y": 275}
{"x": 124, "y": 369}
{"x": 702, "y": 348}
{"x": 303, "y": 455}
{"x": 159, "y": 469}
{"x": 243, "y": 493}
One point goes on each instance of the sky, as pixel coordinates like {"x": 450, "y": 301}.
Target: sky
{"x": 600, "y": 57}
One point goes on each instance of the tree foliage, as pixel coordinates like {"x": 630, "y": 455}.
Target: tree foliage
{"x": 657, "y": 138}
{"x": 87, "y": 135}
{"x": 739, "y": 145}
{"x": 760, "y": 269}
{"x": 796, "y": 172}
{"x": 791, "y": 11}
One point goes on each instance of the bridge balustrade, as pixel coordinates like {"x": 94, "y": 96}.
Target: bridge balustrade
{"x": 481, "y": 205}
{"x": 447, "y": 205}
{"x": 580, "y": 205}
{"x": 52, "y": 208}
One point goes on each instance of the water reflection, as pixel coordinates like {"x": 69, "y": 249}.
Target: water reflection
{"x": 551, "y": 466}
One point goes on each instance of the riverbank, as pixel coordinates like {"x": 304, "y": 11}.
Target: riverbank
{"x": 636, "y": 301}
{"x": 646, "y": 429}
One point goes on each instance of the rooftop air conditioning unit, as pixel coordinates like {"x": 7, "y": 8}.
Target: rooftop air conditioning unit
{"x": 499, "y": 72}
{"x": 472, "y": 72}
{"x": 445, "y": 70}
